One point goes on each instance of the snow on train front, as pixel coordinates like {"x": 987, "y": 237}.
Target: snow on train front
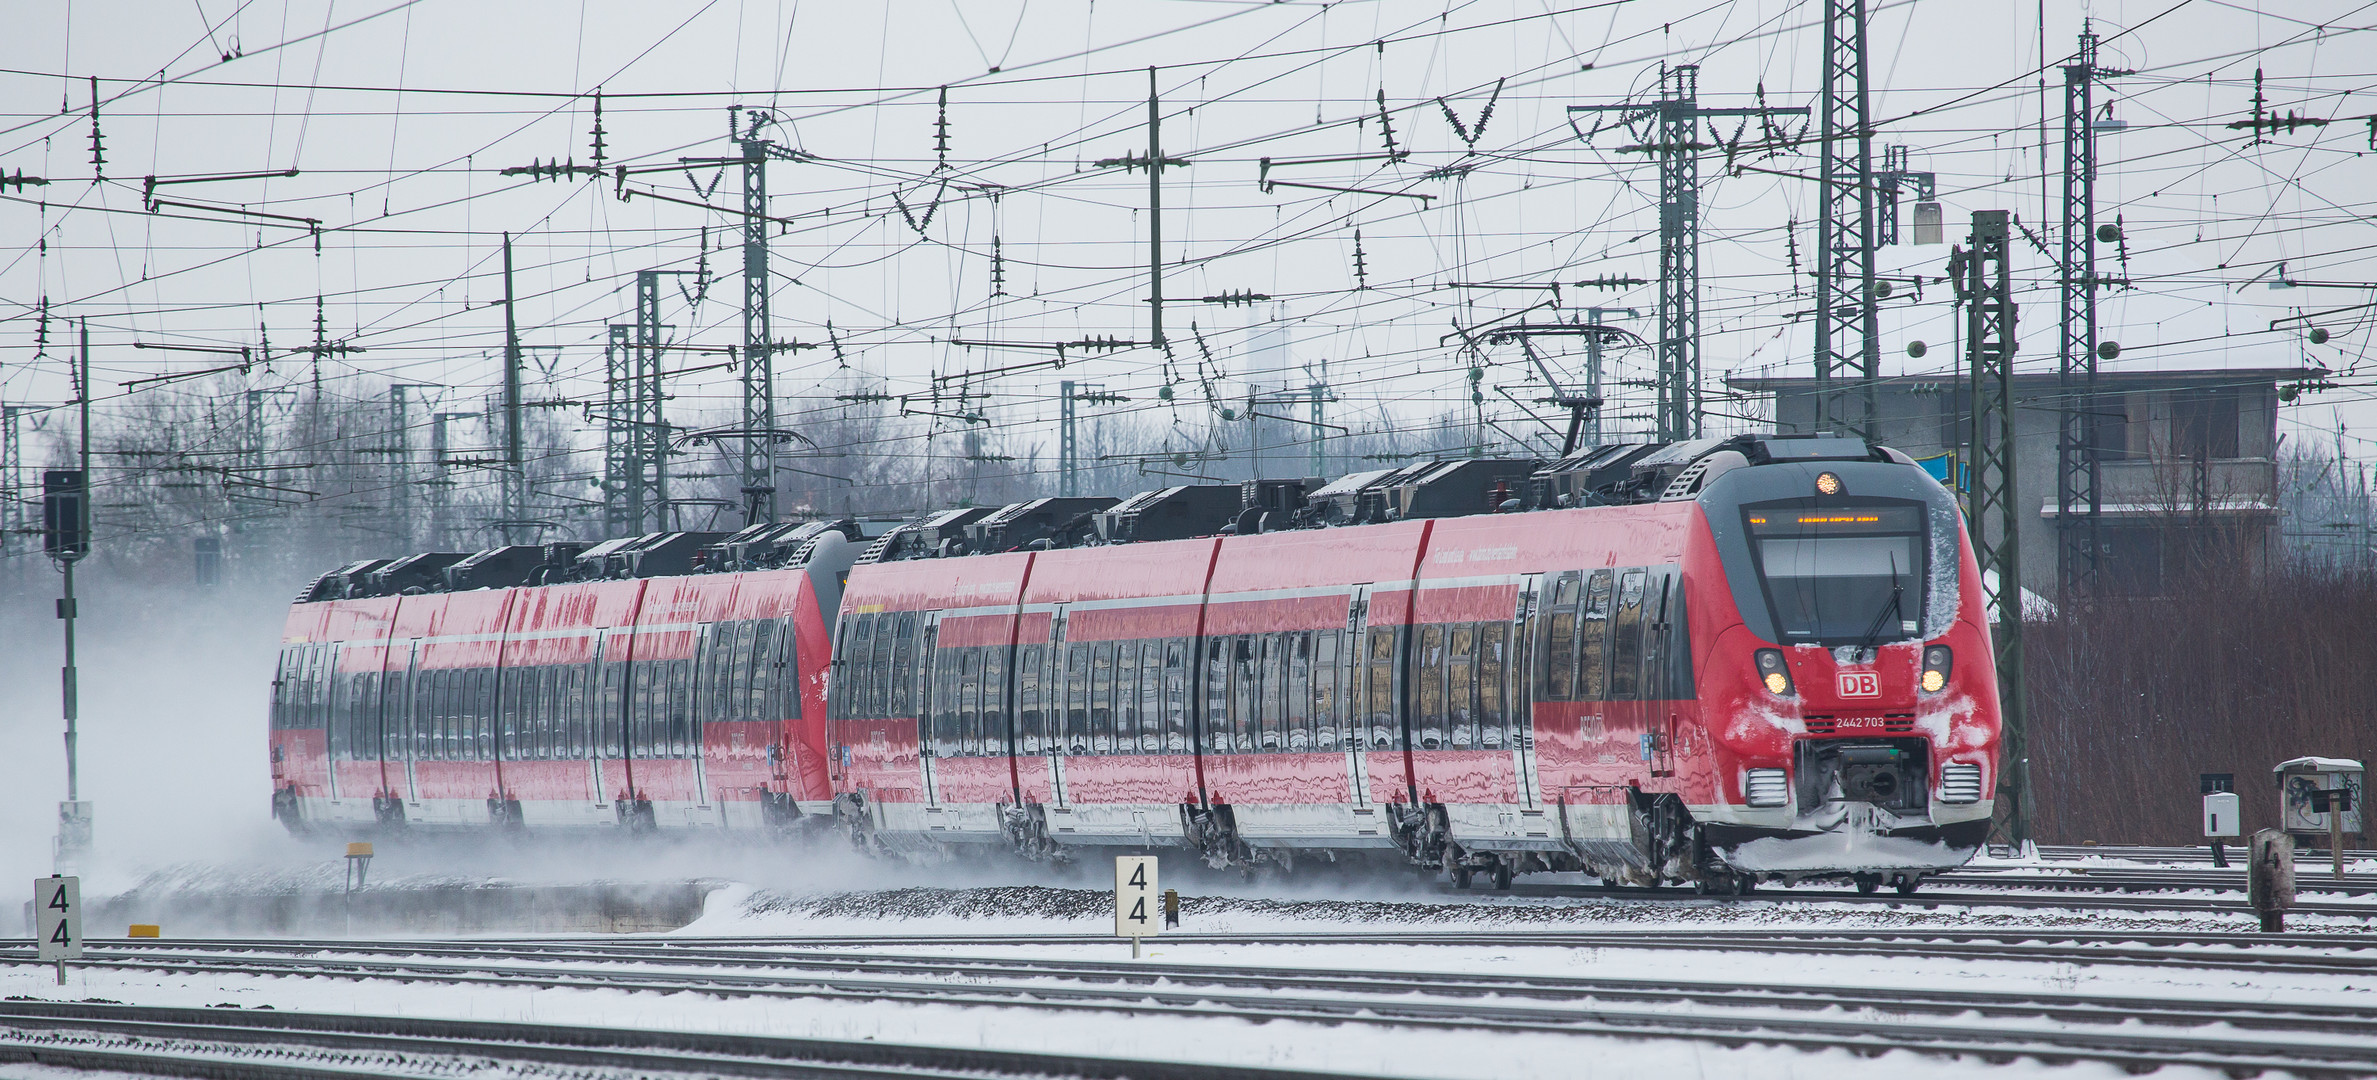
{"x": 1856, "y": 698}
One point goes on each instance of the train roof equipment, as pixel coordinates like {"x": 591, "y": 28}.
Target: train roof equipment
{"x": 1606, "y": 475}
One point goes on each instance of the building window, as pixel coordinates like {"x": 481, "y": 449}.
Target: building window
{"x": 2204, "y": 423}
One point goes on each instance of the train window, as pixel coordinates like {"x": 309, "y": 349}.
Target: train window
{"x": 758, "y": 664}
{"x": 752, "y": 673}
{"x": 417, "y": 732}
{"x": 608, "y": 700}
{"x": 446, "y": 744}
{"x": 334, "y": 738}
{"x": 483, "y": 717}
{"x": 449, "y": 716}
{"x": 1667, "y": 644}
{"x": 1324, "y": 689}
{"x": 1126, "y": 697}
{"x": 1653, "y": 684}
{"x": 1151, "y": 697}
{"x": 391, "y": 711}
{"x": 1246, "y": 700}
{"x": 1380, "y": 711}
{"x": 994, "y": 699}
{"x": 1493, "y": 639}
{"x": 1592, "y": 639}
{"x": 1299, "y": 691}
{"x": 279, "y": 718}
{"x": 787, "y": 674}
{"x": 1625, "y": 653}
{"x": 903, "y": 663}
{"x": 1027, "y": 697}
{"x": 861, "y": 641}
{"x": 454, "y": 717}
{"x": 969, "y": 702}
{"x": 936, "y": 707}
{"x": 684, "y": 739}
{"x": 1428, "y": 668}
{"x": 879, "y": 668}
{"x": 574, "y": 713}
{"x": 720, "y": 667}
{"x": 1214, "y": 718}
{"x": 1101, "y": 698}
{"x": 536, "y": 729}
{"x": 1559, "y": 639}
{"x": 503, "y": 720}
{"x": 650, "y": 697}
{"x": 537, "y": 707}
{"x": 1460, "y": 685}
{"x": 1270, "y": 720}
{"x": 1076, "y": 699}
{"x": 1176, "y": 695}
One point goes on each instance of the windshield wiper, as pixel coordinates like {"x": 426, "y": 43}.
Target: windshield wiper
{"x": 1896, "y": 605}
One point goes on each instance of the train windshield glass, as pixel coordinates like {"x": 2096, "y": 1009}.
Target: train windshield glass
{"x": 1841, "y": 575}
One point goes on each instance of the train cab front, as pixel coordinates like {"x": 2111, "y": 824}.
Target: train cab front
{"x": 1852, "y": 708}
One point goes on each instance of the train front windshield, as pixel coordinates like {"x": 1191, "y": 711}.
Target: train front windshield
{"x": 1841, "y": 575}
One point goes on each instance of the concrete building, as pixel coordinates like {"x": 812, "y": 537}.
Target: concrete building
{"x": 2189, "y": 461}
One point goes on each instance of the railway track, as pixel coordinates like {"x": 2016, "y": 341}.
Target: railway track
{"x": 1965, "y": 893}
{"x": 231, "y": 1044}
{"x": 2132, "y": 1033}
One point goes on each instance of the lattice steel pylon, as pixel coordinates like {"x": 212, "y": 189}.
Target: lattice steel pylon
{"x": 646, "y": 414}
{"x": 1993, "y": 511}
{"x": 1679, "y": 255}
{"x": 1676, "y": 116}
{"x": 756, "y": 434}
{"x": 623, "y": 493}
{"x": 1848, "y": 337}
{"x": 1068, "y": 449}
{"x": 2079, "y": 505}
{"x": 14, "y": 521}
{"x": 759, "y": 345}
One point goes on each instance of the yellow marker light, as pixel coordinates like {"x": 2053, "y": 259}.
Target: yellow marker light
{"x": 1828, "y": 484}
{"x": 1776, "y": 683}
{"x": 141, "y": 929}
{"x": 1934, "y": 681}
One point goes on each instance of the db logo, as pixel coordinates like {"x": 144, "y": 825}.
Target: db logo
{"x": 1860, "y": 684}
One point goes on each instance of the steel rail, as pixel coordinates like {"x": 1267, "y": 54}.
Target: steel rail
{"x": 2341, "y": 1018}
{"x": 561, "y": 1045}
{"x": 1942, "y": 898}
{"x": 2128, "y": 1046}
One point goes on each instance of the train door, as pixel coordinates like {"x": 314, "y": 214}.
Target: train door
{"x": 1518, "y": 698}
{"x": 1352, "y": 708}
{"x": 697, "y": 718}
{"x": 1058, "y": 682}
{"x": 932, "y": 699}
{"x": 607, "y": 752}
{"x": 1658, "y": 689}
{"x": 396, "y": 725}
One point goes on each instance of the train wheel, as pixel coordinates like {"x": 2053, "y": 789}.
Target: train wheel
{"x": 1502, "y": 876}
{"x": 1868, "y": 883}
{"x": 1906, "y": 885}
{"x": 1460, "y": 877}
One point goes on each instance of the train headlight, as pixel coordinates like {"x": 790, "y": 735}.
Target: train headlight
{"x": 1937, "y": 662}
{"x": 1772, "y": 672}
{"x": 1828, "y": 484}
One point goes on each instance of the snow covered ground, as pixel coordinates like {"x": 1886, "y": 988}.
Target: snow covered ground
{"x": 894, "y": 903}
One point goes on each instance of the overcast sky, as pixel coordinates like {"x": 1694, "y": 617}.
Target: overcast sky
{"x": 400, "y": 116}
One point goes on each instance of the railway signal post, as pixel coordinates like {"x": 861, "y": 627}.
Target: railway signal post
{"x": 1135, "y": 899}
{"x": 58, "y": 921}
{"x": 66, "y": 537}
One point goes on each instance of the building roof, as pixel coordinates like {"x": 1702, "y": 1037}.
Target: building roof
{"x": 2109, "y": 380}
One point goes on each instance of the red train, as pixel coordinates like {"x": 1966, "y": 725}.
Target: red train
{"x": 1714, "y": 662}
